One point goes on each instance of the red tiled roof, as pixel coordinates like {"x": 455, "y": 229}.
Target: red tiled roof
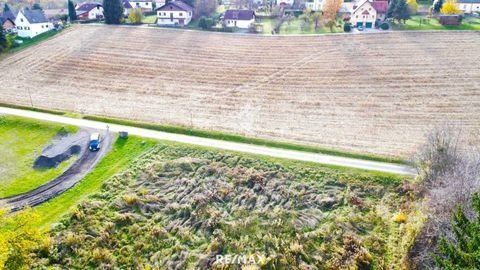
{"x": 380, "y": 6}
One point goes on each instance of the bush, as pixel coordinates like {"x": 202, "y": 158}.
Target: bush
{"x": 206, "y": 23}
{"x": 347, "y": 27}
{"x": 384, "y": 26}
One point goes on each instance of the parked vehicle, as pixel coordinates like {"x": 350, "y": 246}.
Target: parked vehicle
{"x": 94, "y": 144}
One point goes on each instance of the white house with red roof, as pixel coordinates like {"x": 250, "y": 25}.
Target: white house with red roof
{"x": 175, "y": 13}
{"x": 367, "y": 12}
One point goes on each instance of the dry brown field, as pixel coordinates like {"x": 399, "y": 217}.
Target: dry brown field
{"x": 373, "y": 93}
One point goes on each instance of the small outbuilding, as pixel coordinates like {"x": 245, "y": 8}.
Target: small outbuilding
{"x": 239, "y": 18}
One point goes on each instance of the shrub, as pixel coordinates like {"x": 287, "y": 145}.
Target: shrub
{"x": 206, "y": 23}
{"x": 384, "y": 26}
{"x": 135, "y": 16}
{"x": 347, "y": 27}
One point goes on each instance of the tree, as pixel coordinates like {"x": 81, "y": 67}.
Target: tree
{"x": 463, "y": 251}
{"x": 3, "y": 39}
{"x": 438, "y": 6}
{"x": 306, "y": 17}
{"x": 398, "y": 10}
{"x": 72, "y": 14}
{"x": 135, "y": 16}
{"x": 330, "y": 9}
{"x": 18, "y": 238}
{"x": 204, "y": 7}
{"x": 316, "y": 17}
{"x": 36, "y": 6}
{"x": 113, "y": 11}
{"x": 331, "y": 24}
{"x": 6, "y": 8}
{"x": 413, "y": 6}
{"x": 206, "y": 23}
{"x": 450, "y": 7}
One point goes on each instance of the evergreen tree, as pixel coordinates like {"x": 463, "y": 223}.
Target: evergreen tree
{"x": 402, "y": 11}
{"x": 6, "y": 8}
{"x": 464, "y": 251}
{"x": 72, "y": 14}
{"x": 3, "y": 39}
{"x": 113, "y": 11}
{"x": 437, "y": 6}
{"x": 36, "y": 6}
{"x": 391, "y": 8}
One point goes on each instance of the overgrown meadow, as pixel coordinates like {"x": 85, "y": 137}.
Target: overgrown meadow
{"x": 179, "y": 207}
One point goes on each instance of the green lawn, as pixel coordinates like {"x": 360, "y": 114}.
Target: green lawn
{"x": 423, "y": 23}
{"x": 27, "y": 42}
{"x": 294, "y": 27}
{"x": 149, "y": 19}
{"x": 121, "y": 156}
{"x": 21, "y": 141}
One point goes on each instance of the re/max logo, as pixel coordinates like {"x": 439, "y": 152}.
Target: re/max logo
{"x": 240, "y": 259}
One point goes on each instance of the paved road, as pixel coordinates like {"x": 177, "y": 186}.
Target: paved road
{"x": 239, "y": 147}
{"x": 83, "y": 165}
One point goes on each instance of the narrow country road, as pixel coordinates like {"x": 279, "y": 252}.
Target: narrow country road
{"x": 239, "y": 147}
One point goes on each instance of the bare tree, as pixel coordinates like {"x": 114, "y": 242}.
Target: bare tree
{"x": 451, "y": 174}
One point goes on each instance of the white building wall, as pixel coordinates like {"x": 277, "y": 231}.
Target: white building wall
{"x": 469, "y": 7}
{"x": 92, "y": 14}
{"x": 164, "y": 17}
{"x": 316, "y": 5}
{"x": 240, "y": 23}
{"x": 26, "y": 29}
{"x": 358, "y": 17}
{"x": 142, "y": 4}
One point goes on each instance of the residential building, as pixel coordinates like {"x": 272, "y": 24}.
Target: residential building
{"x": 7, "y": 20}
{"x": 127, "y": 7}
{"x": 381, "y": 7}
{"x": 364, "y": 15}
{"x": 315, "y": 5}
{"x": 30, "y": 23}
{"x": 146, "y": 5}
{"x": 469, "y": 6}
{"x": 89, "y": 11}
{"x": 175, "y": 13}
{"x": 239, "y": 18}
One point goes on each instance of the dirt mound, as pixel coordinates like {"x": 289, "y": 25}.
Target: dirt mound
{"x": 62, "y": 148}
{"x": 43, "y": 162}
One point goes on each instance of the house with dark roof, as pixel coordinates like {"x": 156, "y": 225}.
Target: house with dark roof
{"x": 239, "y": 18}
{"x": 174, "y": 13}
{"x": 89, "y": 11}
{"x": 126, "y": 7}
{"x": 31, "y": 23}
{"x": 469, "y": 6}
{"x": 7, "y": 20}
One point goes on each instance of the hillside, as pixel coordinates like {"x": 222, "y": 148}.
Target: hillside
{"x": 376, "y": 93}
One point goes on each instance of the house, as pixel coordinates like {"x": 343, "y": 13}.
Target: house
{"x": 364, "y": 15}
{"x": 31, "y": 23}
{"x": 239, "y": 18}
{"x": 315, "y": 5}
{"x": 285, "y": 2}
{"x": 127, "y": 7}
{"x": 146, "y": 5}
{"x": 89, "y": 11}
{"x": 381, "y": 6}
{"x": 7, "y": 19}
{"x": 469, "y": 6}
{"x": 175, "y": 13}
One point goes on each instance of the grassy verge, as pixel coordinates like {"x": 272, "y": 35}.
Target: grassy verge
{"x": 29, "y": 108}
{"x": 242, "y": 139}
{"x": 21, "y": 141}
{"x": 424, "y": 23}
{"x": 27, "y": 42}
{"x": 122, "y": 154}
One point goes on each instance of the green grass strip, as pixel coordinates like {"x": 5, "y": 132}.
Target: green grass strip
{"x": 243, "y": 139}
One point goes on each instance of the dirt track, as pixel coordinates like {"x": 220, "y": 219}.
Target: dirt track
{"x": 84, "y": 164}
{"x": 367, "y": 93}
